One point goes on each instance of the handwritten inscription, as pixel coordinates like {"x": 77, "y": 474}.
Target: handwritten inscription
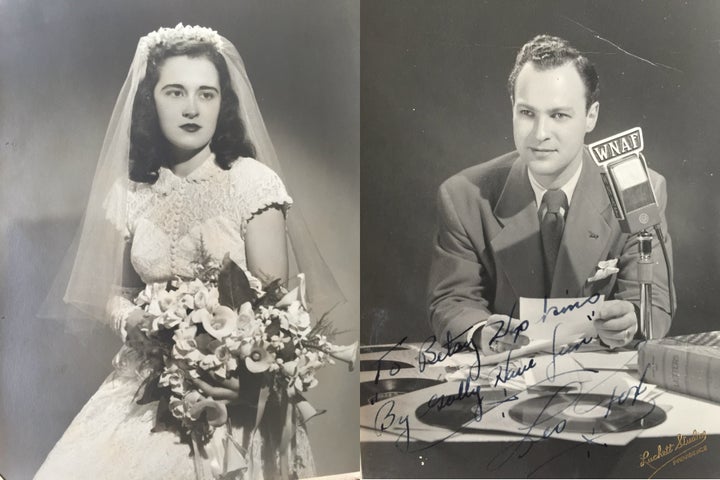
{"x": 386, "y": 418}
{"x": 465, "y": 390}
{"x": 559, "y": 311}
{"x": 548, "y": 422}
{"x": 508, "y": 371}
{"x": 430, "y": 355}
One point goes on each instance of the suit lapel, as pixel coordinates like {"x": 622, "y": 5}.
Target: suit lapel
{"x": 587, "y": 235}
{"x": 518, "y": 248}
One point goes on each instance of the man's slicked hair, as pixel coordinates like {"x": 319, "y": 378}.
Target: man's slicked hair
{"x": 546, "y": 52}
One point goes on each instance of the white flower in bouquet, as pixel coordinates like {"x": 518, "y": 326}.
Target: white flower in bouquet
{"x": 187, "y": 301}
{"x": 248, "y": 326}
{"x": 298, "y": 319}
{"x": 344, "y": 353}
{"x": 150, "y": 294}
{"x": 177, "y": 408}
{"x": 166, "y": 300}
{"x": 206, "y": 298}
{"x": 200, "y": 316}
{"x": 171, "y": 318}
{"x": 174, "y": 378}
{"x": 184, "y": 339}
{"x": 215, "y": 412}
{"x": 259, "y": 359}
{"x": 223, "y": 322}
{"x": 296, "y": 294}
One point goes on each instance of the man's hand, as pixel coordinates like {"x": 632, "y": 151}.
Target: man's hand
{"x": 496, "y": 336}
{"x": 616, "y": 323}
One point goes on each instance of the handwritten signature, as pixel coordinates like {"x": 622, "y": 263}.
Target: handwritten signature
{"x": 539, "y": 424}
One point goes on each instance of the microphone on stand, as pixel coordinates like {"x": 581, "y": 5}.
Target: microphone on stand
{"x": 627, "y": 182}
{"x": 626, "y": 179}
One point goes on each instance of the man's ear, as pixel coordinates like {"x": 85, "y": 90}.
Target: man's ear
{"x": 591, "y": 117}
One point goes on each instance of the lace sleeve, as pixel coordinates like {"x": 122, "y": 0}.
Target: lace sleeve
{"x": 116, "y": 208}
{"x": 258, "y": 188}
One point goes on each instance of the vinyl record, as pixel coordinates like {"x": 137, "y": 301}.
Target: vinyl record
{"x": 374, "y": 392}
{"x": 587, "y": 413}
{"x": 453, "y": 415}
{"x": 373, "y": 365}
{"x": 381, "y": 348}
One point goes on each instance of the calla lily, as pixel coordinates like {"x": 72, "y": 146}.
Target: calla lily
{"x": 290, "y": 368}
{"x": 307, "y": 411}
{"x": 259, "y": 360}
{"x": 297, "y": 293}
{"x": 215, "y": 412}
{"x": 201, "y": 315}
{"x": 245, "y": 314}
{"x": 223, "y": 322}
{"x": 154, "y": 308}
{"x": 345, "y": 353}
{"x": 298, "y": 318}
{"x": 305, "y": 381}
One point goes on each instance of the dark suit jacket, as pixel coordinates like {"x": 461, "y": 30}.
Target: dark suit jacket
{"x": 488, "y": 251}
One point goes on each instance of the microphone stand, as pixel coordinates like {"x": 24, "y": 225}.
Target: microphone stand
{"x": 645, "y": 279}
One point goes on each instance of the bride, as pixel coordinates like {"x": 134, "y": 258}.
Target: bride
{"x": 186, "y": 165}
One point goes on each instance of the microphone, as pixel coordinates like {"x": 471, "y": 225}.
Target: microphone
{"x": 626, "y": 179}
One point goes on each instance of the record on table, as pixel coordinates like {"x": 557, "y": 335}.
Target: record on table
{"x": 374, "y": 392}
{"x": 587, "y": 413}
{"x": 381, "y": 348}
{"x": 454, "y": 412}
{"x": 373, "y": 365}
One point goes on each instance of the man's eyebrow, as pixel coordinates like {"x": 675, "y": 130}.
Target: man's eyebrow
{"x": 524, "y": 105}
{"x": 563, "y": 109}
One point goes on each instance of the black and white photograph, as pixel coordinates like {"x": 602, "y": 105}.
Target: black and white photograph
{"x": 179, "y": 219}
{"x": 539, "y": 239}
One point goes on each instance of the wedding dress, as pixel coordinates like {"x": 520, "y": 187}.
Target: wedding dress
{"x": 167, "y": 223}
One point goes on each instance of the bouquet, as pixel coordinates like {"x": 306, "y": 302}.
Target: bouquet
{"x": 226, "y": 325}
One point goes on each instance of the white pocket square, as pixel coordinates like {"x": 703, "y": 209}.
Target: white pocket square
{"x": 605, "y": 269}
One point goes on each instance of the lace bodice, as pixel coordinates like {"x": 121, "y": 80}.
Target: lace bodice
{"x": 171, "y": 221}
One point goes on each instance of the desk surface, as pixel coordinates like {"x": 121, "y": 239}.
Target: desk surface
{"x": 592, "y": 416}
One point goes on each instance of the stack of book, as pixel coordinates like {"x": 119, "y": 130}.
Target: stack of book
{"x": 687, "y": 364}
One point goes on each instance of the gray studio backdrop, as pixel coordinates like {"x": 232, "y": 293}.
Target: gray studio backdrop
{"x": 434, "y": 101}
{"x": 62, "y": 64}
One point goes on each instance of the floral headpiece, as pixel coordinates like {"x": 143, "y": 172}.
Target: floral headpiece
{"x": 181, "y": 33}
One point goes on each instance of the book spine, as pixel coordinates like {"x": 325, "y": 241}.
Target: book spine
{"x": 695, "y": 373}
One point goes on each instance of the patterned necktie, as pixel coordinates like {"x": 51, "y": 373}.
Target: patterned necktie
{"x": 551, "y": 230}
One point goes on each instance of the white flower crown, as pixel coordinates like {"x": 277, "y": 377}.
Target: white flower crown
{"x": 181, "y": 33}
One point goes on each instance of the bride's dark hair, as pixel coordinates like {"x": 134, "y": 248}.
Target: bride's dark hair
{"x": 149, "y": 148}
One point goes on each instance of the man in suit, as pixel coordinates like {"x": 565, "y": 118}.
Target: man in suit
{"x": 537, "y": 221}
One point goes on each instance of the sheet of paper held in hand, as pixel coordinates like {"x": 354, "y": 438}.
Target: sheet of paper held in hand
{"x": 547, "y": 322}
